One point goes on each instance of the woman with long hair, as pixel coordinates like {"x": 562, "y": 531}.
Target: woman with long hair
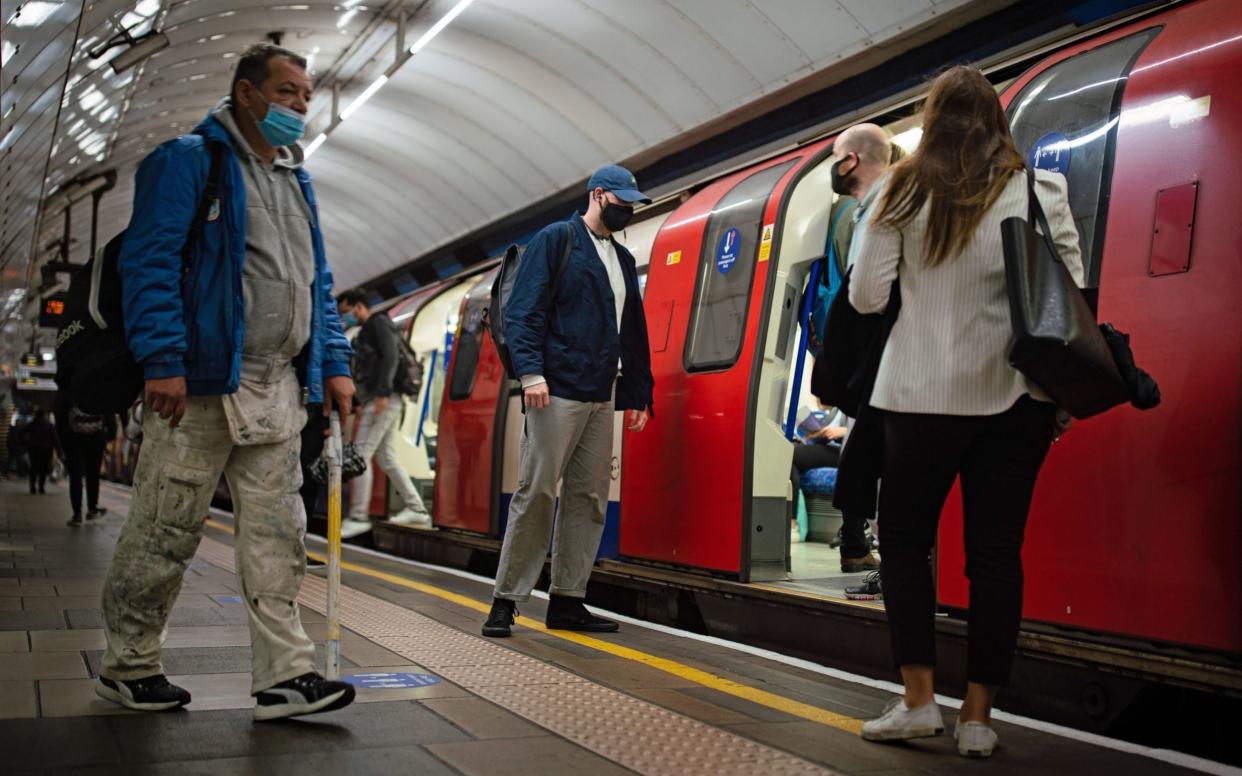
{"x": 945, "y": 384}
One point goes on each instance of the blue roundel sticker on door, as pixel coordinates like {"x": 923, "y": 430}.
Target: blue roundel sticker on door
{"x": 727, "y": 250}
{"x": 1051, "y": 152}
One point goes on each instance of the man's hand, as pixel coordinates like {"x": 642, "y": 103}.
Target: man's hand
{"x": 380, "y": 403}
{"x": 829, "y": 433}
{"x": 636, "y": 420}
{"x": 537, "y": 396}
{"x": 166, "y": 396}
{"x": 338, "y": 390}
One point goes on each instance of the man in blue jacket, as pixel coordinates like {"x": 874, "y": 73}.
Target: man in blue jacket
{"x": 580, "y": 347}
{"x": 236, "y": 336}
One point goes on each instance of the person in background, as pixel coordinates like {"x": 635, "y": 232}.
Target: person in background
{"x": 582, "y": 354}
{"x": 377, "y": 359}
{"x": 84, "y": 438}
{"x": 944, "y": 383}
{"x": 40, "y": 440}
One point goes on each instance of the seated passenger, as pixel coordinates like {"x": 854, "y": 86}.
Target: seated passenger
{"x": 945, "y": 384}
{"x": 222, "y": 394}
{"x": 377, "y": 360}
{"x": 567, "y": 344}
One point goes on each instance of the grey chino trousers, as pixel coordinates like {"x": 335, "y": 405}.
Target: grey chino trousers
{"x": 571, "y": 442}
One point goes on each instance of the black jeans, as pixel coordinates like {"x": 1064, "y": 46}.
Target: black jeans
{"x": 853, "y": 526}
{"x": 998, "y": 458}
{"x": 312, "y": 446}
{"x": 83, "y": 457}
{"x": 40, "y": 465}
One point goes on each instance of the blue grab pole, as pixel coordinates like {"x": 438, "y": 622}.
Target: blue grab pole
{"x": 800, "y": 357}
{"x": 422, "y": 415}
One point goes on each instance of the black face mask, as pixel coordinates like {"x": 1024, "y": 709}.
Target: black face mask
{"x": 615, "y": 217}
{"x": 841, "y": 182}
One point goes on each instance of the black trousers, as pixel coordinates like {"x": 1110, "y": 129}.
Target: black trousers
{"x": 40, "y": 465}
{"x": 312, "y": 446}
{"x": 83, "y": 457}
{"x": 998, "y": 458}
{"x": 853, "y": 526}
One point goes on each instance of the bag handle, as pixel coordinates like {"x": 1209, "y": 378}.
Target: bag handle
{"x": 1035, "y": 214}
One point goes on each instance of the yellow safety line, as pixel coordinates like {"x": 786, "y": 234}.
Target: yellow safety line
{"x": 689, "y": 673}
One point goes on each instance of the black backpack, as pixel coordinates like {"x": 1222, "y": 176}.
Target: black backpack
{"x": 502, "y": 289}
{"x": 94, "y": 365}
{"x": 408, "y": 380}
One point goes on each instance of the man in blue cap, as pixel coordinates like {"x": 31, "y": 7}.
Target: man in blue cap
{"x": 579, "y": 344}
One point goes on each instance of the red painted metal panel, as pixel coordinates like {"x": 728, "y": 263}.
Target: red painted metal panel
{"x": 1172, "y": 232}
{"x": 464, "y": 492}
{"x": 1135, "y": 526}
{"x": 683, "y": 483}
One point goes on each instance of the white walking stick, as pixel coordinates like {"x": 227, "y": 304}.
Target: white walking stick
{"x": 333, "y": 668}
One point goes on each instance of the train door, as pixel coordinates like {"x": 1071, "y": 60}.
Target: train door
{"x": 467, "y": 483}
{"x": 697, "y": 491}
{"x": 429, "y": 325}
{"x": 1134, "y": 527}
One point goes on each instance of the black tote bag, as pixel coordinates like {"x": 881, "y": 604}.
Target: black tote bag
{"x": 1056, "y": 341}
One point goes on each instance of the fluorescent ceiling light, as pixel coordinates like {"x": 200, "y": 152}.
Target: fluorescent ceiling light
{"x": 33, "y": 13}
{"x": 141, "y": 49}
{"x": 314, "y": 145}
{"x": 345, "y": 17}
{"x": 436, "y": 28}
{"x": 362, "y": 98}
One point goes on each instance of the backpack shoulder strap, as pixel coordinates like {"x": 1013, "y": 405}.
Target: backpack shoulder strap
{"x": 564, "y": 260}
{"x": 210, "y": 193}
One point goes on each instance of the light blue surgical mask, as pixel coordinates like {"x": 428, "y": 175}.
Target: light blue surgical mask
{"x": 349, "y": 320}
{"x": 281, "y": 126}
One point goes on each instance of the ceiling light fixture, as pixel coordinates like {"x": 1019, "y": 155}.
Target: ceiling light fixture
{"x": 140, "y": 48}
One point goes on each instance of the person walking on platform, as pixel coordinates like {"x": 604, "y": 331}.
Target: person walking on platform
{"x": 567, "y": 340}
{"x": 377, "y": 358}
{"x": 944, "y": 380}
{"x": 40, "y": 440}
{"x": 223, "y": 394}
{"x": 85, "y": 437}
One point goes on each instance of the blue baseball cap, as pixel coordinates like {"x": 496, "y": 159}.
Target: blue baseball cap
{"x": 619, "y": 181}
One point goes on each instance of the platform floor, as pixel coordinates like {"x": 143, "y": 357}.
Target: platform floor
{"x": 544, "y": 702}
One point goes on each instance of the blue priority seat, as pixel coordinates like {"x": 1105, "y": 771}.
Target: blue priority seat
{"x": 819, "y": 482}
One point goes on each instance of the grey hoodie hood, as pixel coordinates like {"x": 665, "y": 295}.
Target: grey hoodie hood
{"x": 291, "y": 157}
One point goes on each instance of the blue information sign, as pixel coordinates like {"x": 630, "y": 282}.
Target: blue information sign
{"x": 727, "y": 250}
{"x": 229, "y": 599}
{"x": 1051, "y": 152}
{"x": 391, "y": 681}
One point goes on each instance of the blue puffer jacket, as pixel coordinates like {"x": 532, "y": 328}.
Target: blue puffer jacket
{"x": 572, "y": 340}
{"x": 193, "y": 325}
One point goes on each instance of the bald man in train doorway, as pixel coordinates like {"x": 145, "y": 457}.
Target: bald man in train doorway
{"x": 580, "y": 347}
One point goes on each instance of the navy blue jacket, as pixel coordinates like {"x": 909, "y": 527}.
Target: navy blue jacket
{"x": 572, "y": 340}
{"x": 193, "y": 325}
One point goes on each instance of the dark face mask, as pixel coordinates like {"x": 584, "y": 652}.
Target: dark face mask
{"x": 615, "y": 217}
{"x": 843, "y": 183}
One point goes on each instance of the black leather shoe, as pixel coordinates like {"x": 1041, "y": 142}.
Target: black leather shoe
{"x": 500, "y": 618}
{"x": 567, "y": 613}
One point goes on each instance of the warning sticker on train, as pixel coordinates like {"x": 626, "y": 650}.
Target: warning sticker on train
{"x": 1051, "y": 152}
{"x": 765, "y": 243}
{"x": 674, "y": 257}
{"x": 726, "y": 251}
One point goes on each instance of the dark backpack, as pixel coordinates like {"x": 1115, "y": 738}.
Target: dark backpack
{"x": 408, "y": 380}
{"x": 502, "y": 289}
{"x": 93, "y": 362}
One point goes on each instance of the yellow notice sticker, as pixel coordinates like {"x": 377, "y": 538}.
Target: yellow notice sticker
{"x": 673, "y": 258}
{"x": 765, "y": 243}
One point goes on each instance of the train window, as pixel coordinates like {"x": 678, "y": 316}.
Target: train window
{"x": 469, "y": 342}
{"x": 1066, "y": 120}
{"x": 726, "y": 271}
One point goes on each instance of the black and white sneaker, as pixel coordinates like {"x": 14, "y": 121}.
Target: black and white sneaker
{"x": 869, "y": 590}
{"x": 151, "y": 693}
{"x": 306, "y": 694}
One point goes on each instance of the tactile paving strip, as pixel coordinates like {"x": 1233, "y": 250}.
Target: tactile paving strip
{"x": 633, "y": 733}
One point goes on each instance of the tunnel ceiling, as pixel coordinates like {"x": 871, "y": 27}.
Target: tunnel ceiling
{"x": 511, "y": 102}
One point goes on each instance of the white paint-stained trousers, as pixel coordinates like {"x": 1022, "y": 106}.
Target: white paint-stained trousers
{"x": 569, "y": 441}
{"x": 177, "y": 473}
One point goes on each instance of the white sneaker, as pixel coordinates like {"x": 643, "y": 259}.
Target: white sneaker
{"x": 974, "y": 739}
{"x": 410, "y": 517}
{"x": 899, "y": 723}
{"x": 351, "y": 527}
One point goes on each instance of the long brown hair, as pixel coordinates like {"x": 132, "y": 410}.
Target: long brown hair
{"x": 962, "y": 163}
